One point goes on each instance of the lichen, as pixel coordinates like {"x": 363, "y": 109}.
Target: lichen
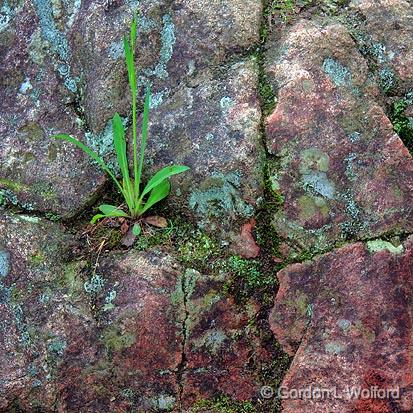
{"x": 226, "y": 103}
{"x": 381, "y": 245}
{"x": 94, "y": 285}
{"x": 166, "y": 52}
{"x": 222, "y": 197}
{"x": 318, "y": 182}
{"x": 57, "y": 41}
{"x": 163, "y": 402}
{"x": 4, "y": 263}
{"x": 338, "y": 73}
{"x": 102, "y": 144}
{"x": 57, "y": 347}
{"x": 334, "y": 347}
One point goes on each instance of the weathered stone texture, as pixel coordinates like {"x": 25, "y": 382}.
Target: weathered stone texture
{"x": 343, "y": 172}
{"x": 347, "y": 317}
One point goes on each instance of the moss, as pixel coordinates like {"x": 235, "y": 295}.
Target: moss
{"x": 70, "y": 279}
{"x": 403, "y": 124}
{"x": 45, "y": 190}
{"x": 198, "y": 249}
{"x": 224, "y": 404}
{"x": 37, "y": 259}
{"x": 154, "y": 237}
{"x": 246, "y": 278}
{"x": 12, "y": 185}
{"x": 116, "y": 340}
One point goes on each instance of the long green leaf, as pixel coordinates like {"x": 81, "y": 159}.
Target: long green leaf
{"x": 144, "y": 139}
{"x": 130, "y": 64}
{"x": 157, "y": 194}
{"x": 112, "y": 210}
{"x": 120, "y": 145}
{"x": 92, "y": 154}
{"x": 161, "y": 175}
{"x": 120, "y": 148}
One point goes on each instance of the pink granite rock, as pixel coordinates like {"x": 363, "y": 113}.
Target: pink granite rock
{"x": 347, "y": 318}
{"x": 342, "y": 171}
{"x": 383, "y": 30}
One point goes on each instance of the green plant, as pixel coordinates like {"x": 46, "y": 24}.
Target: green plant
{"x": 158, "y": 187}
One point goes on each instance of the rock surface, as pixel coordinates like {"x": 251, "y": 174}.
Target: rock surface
{"x": 71, "y": 78}
{"x": 223, "y": 354}
{"x": 347, "y": 317}
{"x": 382, "y": 30}
{"x": 213, "y": 127}
{"x": 139, "y": 315}
{"x": 342, "y": 171}
{"x": 44, "y": 319}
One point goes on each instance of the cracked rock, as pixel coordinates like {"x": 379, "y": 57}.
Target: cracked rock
{"x": 342, "y": 171}
{"x": 347, "y": 319}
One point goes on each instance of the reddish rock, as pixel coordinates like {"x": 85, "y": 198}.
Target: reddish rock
{"x": 223, "y": 354}
{"x": 45, "y": 316}
{"x": 343, "y": 172}
{"x": 383, "y": 29}
{"x": 244, "y": 243}
{"x": 140, "y": 309}
{"x": 347, "y": 318}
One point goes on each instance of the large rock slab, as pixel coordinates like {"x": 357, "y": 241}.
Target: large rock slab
{"x": 224, "y": 354}
{"x": 384, "y": 32}
{"x": 342, "y": 171}
{"x": 347, "y": 318}
{"x": 213, "y": 126}
{"x": 38, "y": 99}
{"x": 44, "y": 318}
{"x": 140, "y": 315}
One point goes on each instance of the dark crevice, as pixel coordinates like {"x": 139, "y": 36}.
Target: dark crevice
{"x": 180, "y": 371}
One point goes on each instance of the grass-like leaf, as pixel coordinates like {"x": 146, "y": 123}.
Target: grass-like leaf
{"x": 144, "y": 138}
{"x": 158, "y": 186}
{"x": 112, "y": 211}
{"x": 157, "y": 194}
{"x": 161, "y": 175}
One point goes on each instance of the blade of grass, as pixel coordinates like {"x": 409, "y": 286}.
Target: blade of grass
{"x": 133, "y": 32}
{"x": 120, "y": 149}
{"x": 130, "y": 64}
{"x": 144, "y": 139}
{"x": 162, "y": 175}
